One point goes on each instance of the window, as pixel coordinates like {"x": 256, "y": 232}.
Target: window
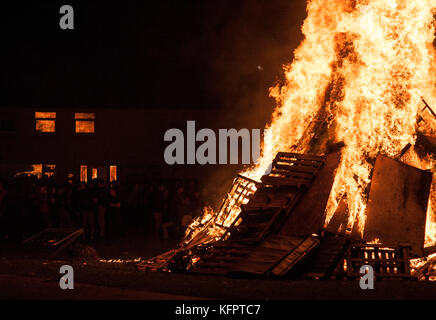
{"x": 112, "y": 173}
{"x": 39, "y": 170}
{"x": 94, "y": 173}
{"x": 45, "y": 121}
{"x": 83, "y": 173}
{"x": 85, "y": 122}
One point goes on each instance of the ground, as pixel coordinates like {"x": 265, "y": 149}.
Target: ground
{"x": 37, "y": 278}
{"x": 27, "y": 273}
{"x": 32, "y": 287}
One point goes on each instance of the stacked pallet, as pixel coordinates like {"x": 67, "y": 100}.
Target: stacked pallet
{"x": 254, "y": 246}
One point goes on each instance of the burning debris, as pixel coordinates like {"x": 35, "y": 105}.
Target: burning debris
{"x": 354, "y": 185}
{"x": 425, "y": 269}
{"x": 280, "y": 230}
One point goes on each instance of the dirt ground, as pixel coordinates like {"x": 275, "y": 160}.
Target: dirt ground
{"x": 39, "y": 279}
{"x": 19, "y": 287}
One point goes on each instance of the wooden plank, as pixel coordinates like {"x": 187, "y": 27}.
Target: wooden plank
{"x": 67, "y": 241}
{"x": 327, "y": 256}
{"x": 308, "y": 216}
{"x": 261, "y": 207}
{"x": 299, "y": 156}
{"x": 259, "y": 261}
{"x": 397, "y": 205}
{"x": 293, "y": 257}
{"x": 297, "y": 168}
{"x": 255, "y": 261}
{"x": 296, "y": 162}
{"x": 276, "y": 181}
{"x": 281, "y": 242}
{"x": 292, "y": 174}
{"x": 268, "y": 201}
{"x": 430, "y": 250}
{"x": 280, "y": 215}
{"x": 258, "y": 215}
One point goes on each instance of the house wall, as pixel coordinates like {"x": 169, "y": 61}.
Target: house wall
{"x": 132, "y": 139}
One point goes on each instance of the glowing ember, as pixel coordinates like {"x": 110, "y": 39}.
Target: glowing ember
{"x": 212, "y": 226}
{"x": 136, "y": 260}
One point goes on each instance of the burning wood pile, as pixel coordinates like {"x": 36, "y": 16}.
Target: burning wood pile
{"x": 280, "y": 227}
{"x": 351, "y": 148}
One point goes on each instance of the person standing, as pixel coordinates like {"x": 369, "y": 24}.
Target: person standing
{"x": 159, "y": 209}
{"x": 114, "y": 213}
{"x": 85, "y": 207}
{"x": 102, "y": 203}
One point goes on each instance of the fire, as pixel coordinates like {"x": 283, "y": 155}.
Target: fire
{"x": 213, "y": 225}
{"x": 356, "y": 80}
{"x": 427, "y": 163}
{"x": 136, "y": 260}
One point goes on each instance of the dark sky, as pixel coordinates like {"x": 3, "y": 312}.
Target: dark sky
{"x": 165, "y": 54}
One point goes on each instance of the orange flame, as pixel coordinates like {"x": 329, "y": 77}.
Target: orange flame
{"x": 356, "y": 79}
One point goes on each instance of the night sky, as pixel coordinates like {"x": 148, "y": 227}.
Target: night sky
{"x": 162, "y": 54}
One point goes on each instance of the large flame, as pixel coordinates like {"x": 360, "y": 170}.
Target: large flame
{"x": 356, "y": 80}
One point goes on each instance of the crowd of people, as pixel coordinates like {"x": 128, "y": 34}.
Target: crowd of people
{"x": 105, "y": 211}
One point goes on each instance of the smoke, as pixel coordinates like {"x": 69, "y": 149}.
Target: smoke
{"x": 251, "y": 43}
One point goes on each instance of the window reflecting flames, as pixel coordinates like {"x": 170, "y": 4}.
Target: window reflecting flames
{"x": 45, "y": 121}
{"x": 85, "y": 122}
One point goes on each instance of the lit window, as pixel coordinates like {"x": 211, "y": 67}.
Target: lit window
{"x": 85, "y": 122}
{"x": 94, "y": 173}
{"x": 39, "y": 170}
{"x": 112, "y": 173}
{"x": 49, "y": 170}
{"x": 84, "y": 173}
{"x": 45, "y": 121}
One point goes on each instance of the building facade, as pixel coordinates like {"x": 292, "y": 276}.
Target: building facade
{"x": 82, "y": 144}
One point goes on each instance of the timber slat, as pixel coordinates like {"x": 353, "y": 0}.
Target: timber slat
{"x": 245, "y": 251}
{"x": 296, "y": 168}
{"x": 299, "y": 166}
{"x": 284, "y": 181}
{"x": 295, "y": 256}
{"x": 328, "y": 255}
{"x": 290, "y": 173}
{"x": 299, "y": 156}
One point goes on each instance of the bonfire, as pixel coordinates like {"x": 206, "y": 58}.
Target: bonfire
{"x": 361, "y": 84}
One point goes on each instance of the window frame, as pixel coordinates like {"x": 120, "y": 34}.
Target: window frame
{"x": 51, "y": 119}
{"x": 91, "y": 118}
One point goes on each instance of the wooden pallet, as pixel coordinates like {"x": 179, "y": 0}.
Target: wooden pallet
{"x": 275, "y": 257}
{"x": 327, "y": 256}
{"x": 237, "y": 258}
{"x": 242, "y": 190}
{"x": 245, "y": 250}
{"x": 291, "y": 169}
{"x": 262, "y": 206}
{"x": 55, "y": 240}
{"x": 387, "y": 262}
{"x": 295, "y": 256}
{"x": 291, "y": 175}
